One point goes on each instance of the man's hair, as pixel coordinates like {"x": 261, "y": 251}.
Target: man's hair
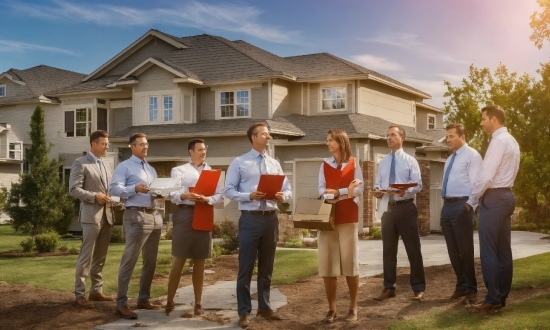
{"x": 341, "y": 137}
{"x": 191, "y": 144}
{"x": 94, "y": 137}
{"x": 134, "y": 137}
{"x": 253, "y": 130}
{"x": 495, "y": 111}
{"x": 460, "y": 129}
{"x": 400, "y": 129}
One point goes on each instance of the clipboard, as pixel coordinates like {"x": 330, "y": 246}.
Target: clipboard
{"x": 203, "y": 215}
{"x": 270, "y": 184}
{"x": 207, "y": 182}
{"x": 403, "y": 185}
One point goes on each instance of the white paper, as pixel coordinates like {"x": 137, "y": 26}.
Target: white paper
{"x": 328, "y": 196}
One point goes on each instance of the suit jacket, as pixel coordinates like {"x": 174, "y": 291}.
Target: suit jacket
{"x": 84, "y": 183}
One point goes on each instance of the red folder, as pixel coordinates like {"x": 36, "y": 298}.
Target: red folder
{"x": 203, "y": 217}
{"x": 270, "y": 184}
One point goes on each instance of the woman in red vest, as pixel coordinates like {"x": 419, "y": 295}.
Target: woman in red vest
{"x": 340, "y": 176}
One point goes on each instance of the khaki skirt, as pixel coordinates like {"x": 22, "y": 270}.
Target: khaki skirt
{"x": 337, "y": 251}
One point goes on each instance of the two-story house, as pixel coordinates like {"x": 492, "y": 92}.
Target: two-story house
{"x": 174, "y": 89}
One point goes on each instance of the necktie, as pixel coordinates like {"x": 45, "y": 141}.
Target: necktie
{"x": 446, "y": 178}
{"x": 144, "y": 165}
{"x": 263, "y": 170}
{"x": 392, "y": 173}
{"x": 103, "y": 172}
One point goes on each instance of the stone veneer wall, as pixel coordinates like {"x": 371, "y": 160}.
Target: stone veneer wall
{"x": 368, "y": 207}
{"x": 423, "y": 199}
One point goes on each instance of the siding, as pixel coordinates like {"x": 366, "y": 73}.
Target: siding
{"x": 155, "y": 47}
{"x": 290, "y": 152}
{"x": 217, "y": 147}
{"x": 207, "y": 104}
{"x": 11, "y": 88}
{"x": 422, "y": 120}
{"x": 156, "y": 79}
{"x": 314, "y": 97}
{"x": 259, "y": 106}
{"x": 280, "y": 98}
{"x": 295, "y": 98}
{"x": 380, "y": 103}
{"x": 121, "y": 119}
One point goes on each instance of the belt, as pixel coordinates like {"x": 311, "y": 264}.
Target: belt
{"x": 142, "y": 209}
{"x": 500, "y": 188}
{"x": 452, "y": 199}
{"x": 187, "y": 206}
{"x": 401, "y": 201}
{"x": 269, "y": 212}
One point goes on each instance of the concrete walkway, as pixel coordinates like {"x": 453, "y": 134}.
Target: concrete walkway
{"x": 220, "y": 298}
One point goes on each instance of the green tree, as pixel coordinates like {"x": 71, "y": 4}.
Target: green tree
{"x": 540, "y": 23}
{"x": 39, "y": 202}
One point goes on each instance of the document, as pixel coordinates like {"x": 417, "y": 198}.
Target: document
{"x": 207, "y": 182}
{"x": 203, "y": 216}
{"x": 270, "y": 184}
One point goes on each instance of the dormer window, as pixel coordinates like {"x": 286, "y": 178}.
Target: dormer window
{"x": 2, "y": 90}
{"x": 431, "y": 121}
{"x": 16, "y": 150}
{"x": 333, "y": 98}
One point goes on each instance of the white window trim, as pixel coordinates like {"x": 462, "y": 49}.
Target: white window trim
{"x": 5, "y": 90}
{"x": 163, "y": 118}
{"x": 148, "y": 109}
{"x": 234, "y": 90}
{"x": 428, "y": 122}
{"x": 89, "y": 123}
{"x": 343, "y": 85}
{"x": 20, "y": 151}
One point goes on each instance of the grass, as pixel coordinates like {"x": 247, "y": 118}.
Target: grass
{"x": 533, "y": 313}
{"x": 58, "y": 273}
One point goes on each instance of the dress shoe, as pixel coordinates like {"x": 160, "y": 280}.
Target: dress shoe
{"x": 457, "y": 294}
{"x": 485, "y": 307}
{"x": 386, "y": 294}
{"x": 470, "y": 298}
{"x": 125, "y": 312}
{"x": 147, "y": 305}
{"x": 198, "y": 309}
{"x": 100, "y": 297}
{"x": 169, "y": 307}
{"x": 352, "y": 315}
{"x": 418, "y": 295}
{"x": 268, "y": 314}
{"x": 244, "y": 321}
{"x": 503, "y": 302}
{"x": 83, "y": 302}
{"x": 331, "y": 316}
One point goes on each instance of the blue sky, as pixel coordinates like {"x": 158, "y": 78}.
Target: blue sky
{"x": 418, "y": 42}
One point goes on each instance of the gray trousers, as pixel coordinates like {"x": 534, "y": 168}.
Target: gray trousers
{"x": 141, "y": 236}
{"x": 95, "y": 242}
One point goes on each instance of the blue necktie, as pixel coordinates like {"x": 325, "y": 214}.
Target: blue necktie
{"x": 392, "y": 174}
{"x": 446, "y": 178}
{"x": 263, "y": 170}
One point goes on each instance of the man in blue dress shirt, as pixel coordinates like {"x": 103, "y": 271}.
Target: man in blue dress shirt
{"x": 258, "y": 224}
{"x": 142, "y": 225}
{"x": 399, "y": 214}
{"x": 457, "y": 222}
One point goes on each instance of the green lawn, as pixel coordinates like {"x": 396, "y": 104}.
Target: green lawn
{"x": 530, "y": 314}
{"x": 57, "y": 273}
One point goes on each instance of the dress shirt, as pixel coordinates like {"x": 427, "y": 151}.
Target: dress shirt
{"x": 189, "y": 174}
{"x": 243, "y": 176}
{"x": 406, "y": 171}
{"x": 500, "y": 166}
{"x": 358, "y": 175}
{"x": 463, "y": 173}
{"x": 127, "y": 175}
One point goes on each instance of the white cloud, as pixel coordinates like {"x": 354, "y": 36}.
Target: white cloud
{"x": 7, "y": 46}
{"x": 376, "y": 63}
{"x": 209, "y": 17}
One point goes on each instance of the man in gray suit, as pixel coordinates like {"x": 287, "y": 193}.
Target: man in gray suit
{"x": 89, "y": 182}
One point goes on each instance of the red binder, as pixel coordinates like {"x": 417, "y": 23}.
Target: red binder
{"x": 203, "y": 217}
{"x": 270, "y": 184}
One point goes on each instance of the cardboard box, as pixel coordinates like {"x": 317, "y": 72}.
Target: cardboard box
{"x": 313, "y": 213}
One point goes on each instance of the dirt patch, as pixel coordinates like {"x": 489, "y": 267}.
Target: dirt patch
{"x": 26, "y": 307}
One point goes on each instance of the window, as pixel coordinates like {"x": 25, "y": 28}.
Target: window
{"x": 153, "y": 109}
{"x": 333, "y": 98}
{"x": 2, "y": 90}
{"x": 16, "y": 150}
{"x": 235, "y": 104}
{"x": 78, "y": 122}
{"x": 168, "y": 108}
{"x": 431, "y": 121}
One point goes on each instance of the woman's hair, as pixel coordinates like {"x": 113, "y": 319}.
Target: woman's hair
{"x": 341, "y": 137}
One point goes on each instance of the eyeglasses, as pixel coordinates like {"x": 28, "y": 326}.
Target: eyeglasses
{"x": 141, "y": 144}
{"x": 103, "y": 144}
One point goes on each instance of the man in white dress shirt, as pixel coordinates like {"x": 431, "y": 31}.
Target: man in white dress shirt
{"x": 492, "y": 190}
{"x": 399, "y": 214}
{"x": 457, "y": 222}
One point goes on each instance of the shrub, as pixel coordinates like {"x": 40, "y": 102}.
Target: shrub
{"x": 116, "y": 236}
{"x": 63, "y": 247}
{"x": 169, "y": 233}
{"x": 27, "y": 244}
{"x": 294, "y": 242}
{"x": 74, "y": 250}
{"x": 217, "y": 250}
{"x": 164, "y": 260}
{"x": 525, "y": 226}
{"x": 310, "y": 243}
{"x": 375, "y": 233}
{"x": 229, "y": 232}
{"x": 47, "y": 242}
{"x": 305, "y": 232}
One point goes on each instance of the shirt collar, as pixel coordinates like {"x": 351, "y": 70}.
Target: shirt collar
{"x": 500, "y": 131}
{"x": 93, "y": 156}
{"x": 136, "y": 159}
{"x": 461, "y": 149}
{"x": 397, "y": 152}
{"x": 203, "y": 165}
{"x": 255, "y": 153}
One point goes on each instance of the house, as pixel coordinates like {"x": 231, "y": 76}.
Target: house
{"x": 174, "y": 89}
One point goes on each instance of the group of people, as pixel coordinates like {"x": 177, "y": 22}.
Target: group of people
{"x": 468, "y": 182}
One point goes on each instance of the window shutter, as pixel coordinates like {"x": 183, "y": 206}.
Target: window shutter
{"x": 102, "y": 119}
{"x": 187, "y": 108}
{"x": 69, "y": 123}
{"x": 349, "y": 92}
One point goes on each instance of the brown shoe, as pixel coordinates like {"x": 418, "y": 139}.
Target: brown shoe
{"x": 503, "y": 302}
{"x": 470, "y": 299}
{"x": 244, "y": 321}
{"x": 418, "y": 296}
{"x": 352, "y": 316}
{"x": 83, "y": 302}
{"x": 458, "y": 294}
{"x": 169, "y": 307}
{"x": 331, "y": 316}
{"x": 147, "y": 305}
{"x": 386, "y": 294}
{"x": 100, "y": 297}
{"x": 198, "y": 309}
{"x": 485, "y": 307}
{"x": 268, "y": 314}
{"x": 125, "y": 312}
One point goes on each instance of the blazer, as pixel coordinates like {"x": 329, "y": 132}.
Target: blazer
{"x": 84, "y": 183}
